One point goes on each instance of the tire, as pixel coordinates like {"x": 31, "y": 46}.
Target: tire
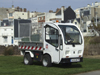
{"x": 46, "y": 61}
{"x": 27, "y": 59}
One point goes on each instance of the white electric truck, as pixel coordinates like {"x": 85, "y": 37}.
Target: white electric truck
{"x": 51, "y": 43}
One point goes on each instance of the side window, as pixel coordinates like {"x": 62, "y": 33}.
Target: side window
{"x": 51, "y": 35}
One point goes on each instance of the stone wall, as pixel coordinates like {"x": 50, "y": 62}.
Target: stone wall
{"x": 92, "y": 49}
{"x": 3, "y": 13}
{"x": 16, "y": 51}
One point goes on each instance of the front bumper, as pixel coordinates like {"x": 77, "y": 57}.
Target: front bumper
{"x": 71, "y": 60}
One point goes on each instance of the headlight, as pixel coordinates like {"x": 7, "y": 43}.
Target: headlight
{"x": 80, "y": 51}
{"x": 67, "y": 52}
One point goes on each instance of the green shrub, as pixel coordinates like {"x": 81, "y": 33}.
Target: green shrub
{"x": 92, "y": 40}
{"x": 9, "y": 51}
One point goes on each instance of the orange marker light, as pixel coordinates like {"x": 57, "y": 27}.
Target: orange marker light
{"x": 57, "y": 21}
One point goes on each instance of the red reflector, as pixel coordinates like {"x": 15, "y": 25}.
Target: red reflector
{"x": 67, "y": 56}
{"x": 79, "y": 55}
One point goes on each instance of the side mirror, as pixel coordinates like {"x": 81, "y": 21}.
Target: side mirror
{"x": 57, "y": 49}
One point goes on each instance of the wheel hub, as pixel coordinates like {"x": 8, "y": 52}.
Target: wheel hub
{"x": 26, "y": 61}
{"x": 45, "y": 62}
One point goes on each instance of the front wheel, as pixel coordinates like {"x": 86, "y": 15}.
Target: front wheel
{"x": 46, "y": 61}
{"x": 27, "y": 59}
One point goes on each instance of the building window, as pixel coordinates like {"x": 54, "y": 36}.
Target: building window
{"x": 11, "y": 23}
{"x": 39, "y": 18}
{"x": 12, "y": 40}
{"x": 84, "y": 22}
{"x": 43, "y": 18}
{"x": 5, "y": 39}
{"x": 10, "y": 14}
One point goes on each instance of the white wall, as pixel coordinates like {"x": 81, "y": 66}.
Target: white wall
{"x": 35, "y": 19}
{"x": 58, "y": 16}
{"x": 8, "y": 32}
{"x": 32, "y": 14}
{"x": 77, "y": 23}
{"x": 22, "y": 15}
{"x": 77, "y": 11}
{"x": 49, "y": 16}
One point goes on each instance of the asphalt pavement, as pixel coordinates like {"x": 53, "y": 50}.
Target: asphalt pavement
{"x": 90, "y": 73}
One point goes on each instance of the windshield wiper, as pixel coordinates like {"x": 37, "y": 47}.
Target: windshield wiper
{"x": 70, "y": 41}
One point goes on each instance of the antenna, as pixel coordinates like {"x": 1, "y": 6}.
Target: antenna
{"x": 12, "y": 2}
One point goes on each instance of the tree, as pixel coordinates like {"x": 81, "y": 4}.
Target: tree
{"x": 94, "y": 27}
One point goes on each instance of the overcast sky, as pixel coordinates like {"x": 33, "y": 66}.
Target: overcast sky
{"x": 46, "y": 5}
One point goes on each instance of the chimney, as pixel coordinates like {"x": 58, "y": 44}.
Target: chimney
{"x": 12, "y": 6}
{"x": 63, "y": 7}
{"x": 25, "y": 9}
{"x": 57, "y": 10}
{"x": 88, "y": 5}
{"x": 92, "y": 4}
{"x": 28, "y": 15}
{"x": 50, "y": 11}
{"x": 18, "y": 7}
{"x": 21, "y": 9}
{"x": 96, "y": 3}
{"x": 62, "y": 12}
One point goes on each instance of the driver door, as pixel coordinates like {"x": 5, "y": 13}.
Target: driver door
{"x": 51, "y": 42}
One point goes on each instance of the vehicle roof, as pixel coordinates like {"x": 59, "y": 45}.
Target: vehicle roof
{"x": 64, "y": 23}
{"x": 59, "y": 23}
{"x": 56, "y": 24}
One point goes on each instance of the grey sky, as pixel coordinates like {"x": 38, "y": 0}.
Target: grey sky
{"x": 45, "y": 5}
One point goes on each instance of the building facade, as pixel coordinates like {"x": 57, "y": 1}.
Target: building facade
{"x": 87, "y": 14}
{"x": 6, "y": 35}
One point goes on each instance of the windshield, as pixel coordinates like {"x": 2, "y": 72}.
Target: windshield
{"x": 71, "y": 34}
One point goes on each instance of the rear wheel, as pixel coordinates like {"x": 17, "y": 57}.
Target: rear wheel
{"x": 27, "y": 59}
{"x": 46, "y": 61}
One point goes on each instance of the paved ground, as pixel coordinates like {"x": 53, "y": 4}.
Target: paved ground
{"x": 90, "y": 73}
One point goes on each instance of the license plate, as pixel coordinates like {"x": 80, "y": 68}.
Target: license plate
{"x": 74, "y": 60}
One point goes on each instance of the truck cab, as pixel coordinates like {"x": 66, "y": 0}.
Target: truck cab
{"x": 63, "y": 42}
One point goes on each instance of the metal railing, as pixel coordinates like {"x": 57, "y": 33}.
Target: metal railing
{"x": 30, "y": 32}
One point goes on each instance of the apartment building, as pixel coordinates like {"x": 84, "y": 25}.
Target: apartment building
{"x": 6, "y": 35}
{"x": 9, "y": 34}
{"x": 3, "y": 13}
{"x": 77, "y": 22}
{"x": 45, "y": 17}
{"x": 77, "y": 11}
{"x": 16, "y": 13}
{"x": 65, "y": 14}
{"x": 88, "y": 13}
